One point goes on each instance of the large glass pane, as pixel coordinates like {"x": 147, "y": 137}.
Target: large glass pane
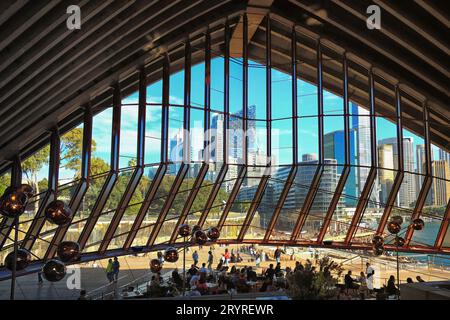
{"x": 196, "y": 135}
{"x": 334, "y": 139}
{"x": 153, "y": 135}
{"x": 101, "y": 142}
{"x": 217, "y": 85}
{"x": 128, "y": 136}
{"x": 176, "y": 88}
{"x": 70, "y": 155}
{"x": 282, "y": 148}
{"x": 236, "y": 86}
{"x": 256, "y": 91}
{"x": 176, "y": 131}
{"x": 308, "y": 139}
{"x": 216, "y": 144}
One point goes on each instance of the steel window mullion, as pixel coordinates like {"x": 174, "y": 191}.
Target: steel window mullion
{"x": 269, "y": 90}
{"x": 207, "y": 111}
{"x": 159, "y": 175}
{"x": 16, "y": 179}
{"x": 294, "y": 96}
{"x": 226, "y": 96}
{"x": 344, "y": 176}
{"x": 113, "y": 174}
{"x": 168, "y": 203}
{"x": 399, "y": 176}
{"x": 365, "y": 193}
{"x": 83, "y": 186}
{"x": 187, "y": 102}
{"x": 245, "y": 90}
{"x": 255, "y": 203}
{"x": 443, "y": 228}
{"x": 39, "y": 219}
{"x": 190, "y": 200}
{"x": 165, "y": 110}
{"x": 309, "y": 200}
{"x": 426, "y": 185}
{"x": 232, "y": 196}
{"x": 139, "y": 171}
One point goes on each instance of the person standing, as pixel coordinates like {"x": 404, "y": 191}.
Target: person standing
{"x": 116, "y": 269}
{"x": 226, "y": 257}
{"x": 210, "y": 260}
{"x": 370, "y": 271}
{"x": 109, "y": 271}
{"x": 258, "y": 260}
{"x": 195, "y": 257}
{"x": 277, "y": 255}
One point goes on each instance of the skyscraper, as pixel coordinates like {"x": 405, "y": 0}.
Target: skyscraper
{"x": 334, "y": 148}
{"x": 407, "y": 193}
{"x": 441, "y": 185}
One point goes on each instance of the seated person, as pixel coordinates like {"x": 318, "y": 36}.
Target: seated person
{"x": 278, "y": 269}
{"x": 349, "y": 281}
{"x": 267, "y": 285}
{"x": 194, "y": 279}
{"x": 176, "y": 278}
{"x": 241, "y": 285}
{"x": 391, "y": 288}
{"x": 203, "y": 269}
{"x": 202, "y": 286}
{"x": 251, "y": 275}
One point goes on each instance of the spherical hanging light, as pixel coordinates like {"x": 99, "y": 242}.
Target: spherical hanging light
{"x": 58, "y": 212}
{"x": 213, "y": 233}
{"x": 200, "y": 237}
{"x": 68, "y": 251}
{"x": 397, "y": 219}
{"x": 13, "y": 203}
{"x": 418, "y": 224}
{"x": 393, "y": 227}
{"x": 155, "y": 265}
{"x": 171, "y": 255}
{"x": 399, "y": 241}
{"x": 184, "y": 230}
{"x": 195, "y": 229}
{"x": 377, "y": 241}
{"x": 54, "y": 270}
{"x": 378, "y": 250}
{"x": 22, "y": 261}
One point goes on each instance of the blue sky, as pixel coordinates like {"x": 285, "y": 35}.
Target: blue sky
{"x": 281, "y": 108}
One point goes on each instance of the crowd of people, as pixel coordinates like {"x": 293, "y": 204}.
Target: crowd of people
{"x": 224, "y": 276}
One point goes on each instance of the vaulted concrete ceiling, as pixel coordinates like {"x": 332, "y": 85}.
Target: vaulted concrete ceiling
{"x": 48, "y": 73}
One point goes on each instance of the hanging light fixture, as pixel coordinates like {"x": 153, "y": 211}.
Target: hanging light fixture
{"x": 195, "y": 229}
{"x": 393, "y": 227}
{"x": 13, "y": 203}
{"x": 200, "y": 237}
{"x": 418, "y": 224}
{"x": 377, "y": 241}
{"x": 184, "y": 230}
{"x": 54, "y": 270}
{"x": 155, "y": 265}
{"x": 58, "y": 212}
{"x": 68, "y": 251}
{"x": 213, "y": 233}
{"x": 378, "y": 250}
{"x": 397, "y": 219}
{"x": 22, "y": 261}
{"x": 171, "y": 254}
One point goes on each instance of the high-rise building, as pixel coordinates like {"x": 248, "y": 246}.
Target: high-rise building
{"x": 334, "y": 148}
{"x": 443, "y": 155}
{"x": 385, "y": 176}
{"x": 361, "y": 127}
{"x": 407, "y": 193}
{"x": 441, "y": 185}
